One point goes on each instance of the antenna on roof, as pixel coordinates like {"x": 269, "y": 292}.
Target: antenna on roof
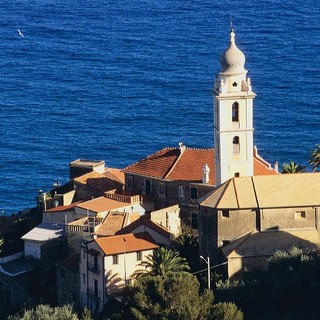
{"x": 231, "y": 28}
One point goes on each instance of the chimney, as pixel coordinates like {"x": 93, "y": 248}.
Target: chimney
{"x": 205, "y": 173}
{"x": 182, "y": 147}
{"x": 255, "y": 151}
{"x": 276, "y": 166}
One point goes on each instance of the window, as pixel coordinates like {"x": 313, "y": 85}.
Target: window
{"x": 129, "y": 182}
{"x": 236, "y": 144}
{"x": 235, "y": 112}
{"x": 84, "y": 278}
{"x": 299, "y": 215}
{"x": 234, "y": 84}
{"x": 147, "y": 186}
{"x": 194, "y": 193}
{"x": 181, "y": 192}
{"x": 162, "y": 188}
{"x": 139, "y": 255}
{"x": 225, "y": 214}
{"x": 95, "y": 262}
{"x": 95, "y": 288}
{"x": 115, "y": 259}
{"x": 237, "y": 174}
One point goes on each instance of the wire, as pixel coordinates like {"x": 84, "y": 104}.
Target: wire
{"x": 206, "y": 269}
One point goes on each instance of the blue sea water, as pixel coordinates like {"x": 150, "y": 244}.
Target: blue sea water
{"x": 117, "y": 80}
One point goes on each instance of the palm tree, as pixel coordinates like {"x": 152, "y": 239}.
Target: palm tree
{"x": 292, "y": 167}
{"x": 113, "y": 283}
{"x": 161, "y": 262}
{"x": 315, "y": 158}
{"x": 188, "y": 247}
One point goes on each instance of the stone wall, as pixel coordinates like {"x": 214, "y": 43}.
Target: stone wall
{"x": 208, "y": 233}
{"x": 166, "y": 193}
{"x": 68, "y": 286}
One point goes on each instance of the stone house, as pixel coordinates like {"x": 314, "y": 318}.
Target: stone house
{"x": 180, "y": 176}
{"x": 107, "y": 265}
{"x": 85, "y": 183}
{"x": 242, "y": 207}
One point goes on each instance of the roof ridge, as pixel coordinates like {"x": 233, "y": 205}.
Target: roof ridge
{"x": 174, "y": 163}
{"x": 255, "y": 192}
{"x": 236, "y": 193}
{"x": 225, "y": 186}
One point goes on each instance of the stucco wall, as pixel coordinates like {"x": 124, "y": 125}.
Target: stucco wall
{"x": 236, "y": 265}
{"x": 59, "y": 217}
{"x": 238, "y": 223}
{"x": 288, "y": 218}
{"x": 127, "y": 263}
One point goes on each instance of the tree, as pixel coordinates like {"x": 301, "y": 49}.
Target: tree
{"x": 188, "y": 247}
{"x": 292, "y": 167}
{"x": 172, "y": 296}
{"x": 315, "y": 158}
{"x": 45, "y": 312}
{"x": 226, "y": 311}
{"x": 161, "y": 262}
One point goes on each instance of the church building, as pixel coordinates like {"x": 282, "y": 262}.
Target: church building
{"x": 248, "y": 216}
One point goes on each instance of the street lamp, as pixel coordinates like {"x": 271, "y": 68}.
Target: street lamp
{"x": 124, "y": 261}
{"x": 208, "y": 264}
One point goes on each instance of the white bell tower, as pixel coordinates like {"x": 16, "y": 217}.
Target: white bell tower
{"x": 233, "y": 116}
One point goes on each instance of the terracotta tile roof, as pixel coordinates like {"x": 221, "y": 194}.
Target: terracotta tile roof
{"x": 115, "y": 174}
{"x": 127, "y": 242}
{"x": 145, "y": 221}
{"x": 112, "y": 223}
{"x": 109, "y": 180}
{"x": 69, "y": 207}
{"x": 102, "y": 204}
{"x": 172, "y": 164}
{"x": 262, "y": 168}
{"x": 156, "y": 165}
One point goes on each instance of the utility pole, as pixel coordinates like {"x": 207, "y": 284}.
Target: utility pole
{"x": 208, "y": 264}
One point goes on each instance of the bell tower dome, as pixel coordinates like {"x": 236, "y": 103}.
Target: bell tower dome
{"x": 233, "y": 116}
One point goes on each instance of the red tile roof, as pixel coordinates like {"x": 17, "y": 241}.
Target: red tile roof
{"x": 127, "y": 242}
{"x": 172, "y": 164}
{"x": 112, "y": 223}
{"x": 109, "y": 180}
{"x": 145, "y": 221}
{"x": 69, "y": 207}
{"x": 102, "y": 204}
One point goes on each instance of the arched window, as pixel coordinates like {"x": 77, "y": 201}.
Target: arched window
{"x": 236, "y": 144}
{"x": 235, "y": 112}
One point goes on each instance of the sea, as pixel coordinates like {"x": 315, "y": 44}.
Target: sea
{"x": 117, "y": 80}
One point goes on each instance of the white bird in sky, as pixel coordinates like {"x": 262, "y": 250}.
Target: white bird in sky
{"x": 20, "y": 33}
